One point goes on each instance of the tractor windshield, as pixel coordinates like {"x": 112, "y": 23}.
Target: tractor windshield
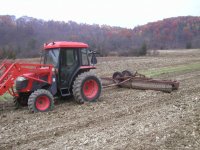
{"x": 51, "y": 57}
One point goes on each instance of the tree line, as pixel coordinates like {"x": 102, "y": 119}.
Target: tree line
{"x": 25, "y": 36}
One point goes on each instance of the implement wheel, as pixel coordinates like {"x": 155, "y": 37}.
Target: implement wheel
{"x": 117, "y": 76}
{"x": 127, "y": 73}
{"x": 40, "y": 101}
{"x": 87, "y": 87}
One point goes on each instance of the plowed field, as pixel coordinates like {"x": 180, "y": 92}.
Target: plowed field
{"x": 121, "y": 118}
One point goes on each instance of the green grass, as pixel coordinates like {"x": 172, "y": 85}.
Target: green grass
{"x": 5, "y": 97}
{"x": 176, "y": 69}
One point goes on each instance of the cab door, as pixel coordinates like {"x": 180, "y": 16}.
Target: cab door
{"x": 68, "y": 65}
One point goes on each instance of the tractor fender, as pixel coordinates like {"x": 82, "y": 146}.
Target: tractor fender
{"x": 78, "y": 71}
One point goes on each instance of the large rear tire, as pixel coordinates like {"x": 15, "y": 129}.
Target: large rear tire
{"x": 87, "y": 87}
{"x": 41, "y": 101}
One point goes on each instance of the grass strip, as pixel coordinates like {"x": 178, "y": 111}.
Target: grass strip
{"x": 5, "y": 97}
{"x": 176, "y": 69}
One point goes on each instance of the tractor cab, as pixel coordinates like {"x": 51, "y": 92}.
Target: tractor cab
{"x": 69, "y": 60}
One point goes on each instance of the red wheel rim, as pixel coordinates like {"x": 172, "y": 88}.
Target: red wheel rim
{"x": 42, "y": 103}
{"x": 90, "y": 89}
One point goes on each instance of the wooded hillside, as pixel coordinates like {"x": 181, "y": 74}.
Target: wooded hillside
{"x": 25, "y": 36}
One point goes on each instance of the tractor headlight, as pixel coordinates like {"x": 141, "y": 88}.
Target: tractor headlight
{"x": 21, "y": 79}
{"x": 21, "y": 83}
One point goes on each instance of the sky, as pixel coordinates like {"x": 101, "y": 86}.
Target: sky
{"x": 122, "y": 13}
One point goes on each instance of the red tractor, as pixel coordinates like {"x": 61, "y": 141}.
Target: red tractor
{"x": 64, "y": 71}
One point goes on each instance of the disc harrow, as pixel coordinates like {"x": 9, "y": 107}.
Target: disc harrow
{"x": 135, "y": 80}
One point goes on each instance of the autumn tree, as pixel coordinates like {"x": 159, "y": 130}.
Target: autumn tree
{"x": 25, "y": 36}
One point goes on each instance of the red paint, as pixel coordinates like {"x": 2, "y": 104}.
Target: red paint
{"x": 42, "y": 103}
{"x": 65, "y": 44}
{"x": 33, "y": 72}
{"x": 90, "y": 89}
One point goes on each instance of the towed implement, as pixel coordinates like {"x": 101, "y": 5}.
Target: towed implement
{"x": 134, "y": 80}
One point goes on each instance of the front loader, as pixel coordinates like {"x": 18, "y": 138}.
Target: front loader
{"x": 64, "y": 71}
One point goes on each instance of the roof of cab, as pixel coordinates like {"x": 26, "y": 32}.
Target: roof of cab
{"x": 64, "y": 44}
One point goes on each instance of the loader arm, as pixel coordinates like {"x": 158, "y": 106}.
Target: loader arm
{"x": 10, "y": 71}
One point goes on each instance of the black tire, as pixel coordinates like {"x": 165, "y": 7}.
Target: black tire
{"x": 16, "y": 103}
{"x": 86, "y": 87}
{"x": 41, "y": 101}
{"x": 20, "y": 102}
{"x": 127, "y": 73}
{"x": 116, "y": 76}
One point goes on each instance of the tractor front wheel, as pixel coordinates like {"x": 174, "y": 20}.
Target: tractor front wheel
{"x": 87, "y": 87}
{"x": 20, "y": 101}
{"x": 40, "y": 101}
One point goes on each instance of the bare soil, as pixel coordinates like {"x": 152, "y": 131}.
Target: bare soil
{"x": 121, "y": 119}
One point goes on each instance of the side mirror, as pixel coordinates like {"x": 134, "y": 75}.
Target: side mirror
{"x": 93, "y": 59}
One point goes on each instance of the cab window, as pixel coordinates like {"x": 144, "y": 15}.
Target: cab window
{"x": 68, "y": 58}
{"x": 51, "y": 57}
{"x": 85, "y": 61}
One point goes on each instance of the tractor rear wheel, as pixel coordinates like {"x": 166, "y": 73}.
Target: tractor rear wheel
{"x": 87, "y": 87}
{"x": 40, "y": 101}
